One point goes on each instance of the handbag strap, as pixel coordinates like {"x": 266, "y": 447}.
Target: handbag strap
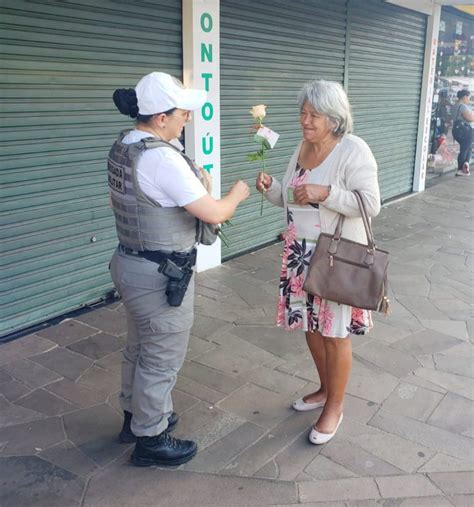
{"x": 365, "y": 219}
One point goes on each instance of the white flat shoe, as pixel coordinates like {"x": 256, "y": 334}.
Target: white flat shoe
{"x": 301, "y": 406}
{"x": 318, "y": 438}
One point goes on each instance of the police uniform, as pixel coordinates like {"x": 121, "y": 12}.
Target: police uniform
{"x": 158, "y": 333}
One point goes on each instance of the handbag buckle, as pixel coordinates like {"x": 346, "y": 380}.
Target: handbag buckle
{"x": 333, "y": 246}
{"x": 369, "y": 258}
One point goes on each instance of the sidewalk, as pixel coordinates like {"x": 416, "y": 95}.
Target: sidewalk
{"x": 407, "y": 435}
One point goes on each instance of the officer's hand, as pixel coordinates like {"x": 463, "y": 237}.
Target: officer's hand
{"x": 240, "y": 190}
{"x": 264, "y": 182}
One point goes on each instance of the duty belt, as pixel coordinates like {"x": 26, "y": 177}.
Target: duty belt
{"x": 158, "y": 256}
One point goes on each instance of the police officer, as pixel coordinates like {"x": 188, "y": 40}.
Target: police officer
{"x": 162, "y": 210}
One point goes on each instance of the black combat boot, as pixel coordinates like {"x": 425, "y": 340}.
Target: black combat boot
{"x": 162, "y": 450}
{"x": 126, "y": 435}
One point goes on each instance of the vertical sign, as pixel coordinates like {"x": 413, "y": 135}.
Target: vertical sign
{"x": 201, "y": 59}
{"x": 424, "y": 123}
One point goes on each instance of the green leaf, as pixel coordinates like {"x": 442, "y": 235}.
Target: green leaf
{"x": 254, "y": 156}
{"x": 266, "y": 144}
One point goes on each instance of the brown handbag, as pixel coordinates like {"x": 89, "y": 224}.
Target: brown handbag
{"x": 348, "y": 272}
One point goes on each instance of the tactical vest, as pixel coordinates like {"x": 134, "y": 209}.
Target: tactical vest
{"x": 141, "y": 222}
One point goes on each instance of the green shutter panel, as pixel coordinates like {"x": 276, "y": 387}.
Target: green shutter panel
{"x": 386, "y": 45}
{"x": 269, "y": 49}
{"x": 61, "y": 62}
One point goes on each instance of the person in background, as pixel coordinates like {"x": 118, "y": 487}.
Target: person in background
{"x": 328, "y": 163}
{"x": 162, "y": 210}
{"x": 462, "y": 131}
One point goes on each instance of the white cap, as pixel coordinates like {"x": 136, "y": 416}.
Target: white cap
{"x": 159, "y": 92}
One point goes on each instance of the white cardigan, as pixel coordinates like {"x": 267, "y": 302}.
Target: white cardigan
{"x": 353, "y": 167}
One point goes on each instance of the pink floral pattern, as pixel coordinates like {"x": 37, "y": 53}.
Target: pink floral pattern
{"x": 297, "y": 309}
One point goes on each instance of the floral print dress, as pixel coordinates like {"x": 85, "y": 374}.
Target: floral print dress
{"x": 296, "y": 308}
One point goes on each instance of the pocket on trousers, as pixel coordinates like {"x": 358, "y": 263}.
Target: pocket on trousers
{"x": 143, "y": 281}
{"x": 173, "y": 319}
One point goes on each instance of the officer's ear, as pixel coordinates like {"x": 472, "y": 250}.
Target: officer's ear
{"x": 160, "y": 120}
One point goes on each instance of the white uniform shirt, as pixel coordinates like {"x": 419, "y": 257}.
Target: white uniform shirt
{"x": 164, "y": 175}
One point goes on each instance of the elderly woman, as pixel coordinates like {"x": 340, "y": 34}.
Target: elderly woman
{"x": 328, "y": 163}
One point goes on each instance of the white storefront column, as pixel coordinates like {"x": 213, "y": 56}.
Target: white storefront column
{"x": 424, "y": 124}
{"x": 201, "y": 59}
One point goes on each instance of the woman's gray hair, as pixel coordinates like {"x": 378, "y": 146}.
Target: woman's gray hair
{"x": 329, "y": 98}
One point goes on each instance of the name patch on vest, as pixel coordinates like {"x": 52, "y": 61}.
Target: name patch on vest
{"x": 116, "y": 177}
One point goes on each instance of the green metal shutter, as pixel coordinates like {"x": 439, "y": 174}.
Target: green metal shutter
{"x": 61, "y": 62}
{"x": 269, "y": 49}
{"x": 386, "y": 46}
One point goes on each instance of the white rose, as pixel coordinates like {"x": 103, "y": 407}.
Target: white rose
{"x": 258, "y": 112}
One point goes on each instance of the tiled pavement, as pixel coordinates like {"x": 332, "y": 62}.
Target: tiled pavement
{"x": 407, "y": 436}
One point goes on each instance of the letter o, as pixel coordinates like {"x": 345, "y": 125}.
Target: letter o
{"x": 207, "y": 111}
{"x": 206, "y": 22}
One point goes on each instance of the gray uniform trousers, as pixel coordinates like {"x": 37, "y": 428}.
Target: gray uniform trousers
{"x": 156, "y": 344}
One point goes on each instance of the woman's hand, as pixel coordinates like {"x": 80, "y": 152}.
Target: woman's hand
{"x": 239, "y": 191}
{"x": 264, "y": 182}
{"x": 304, "y": 194}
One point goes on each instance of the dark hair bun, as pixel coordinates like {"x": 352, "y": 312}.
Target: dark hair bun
{"x": 126, "y": 101}
{"x": 463, "y": 93}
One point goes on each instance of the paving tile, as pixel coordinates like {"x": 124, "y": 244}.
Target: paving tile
{"x": 4, "y": 403}
{"x": 399, "y": 452}
{"x": 406, "y": 486}
{"x": 443, "y": 463}
{"x": 68, "y": 331}
{"x": 4, "y": 377}
{"x": 414, "y": 285}
{"x": 31, "y": 374}
{"x": 67, "y": 456}
{"x": 426, "y": 342}
{"x": 204, "y": 326}
{"x": 75, "y": 393}
{"x": 273, "y": 442}
{"x": 463, "y": 386}
{"x": 421, "y": 307}
{"x": 198, "y": 346}
{"x": 455, "y": 413}
{"x": 29, "y": 480}
{"x": 273, "y": 339}
{"x": 118, "y": 486}
{"x": 209, "y": 377}
{"x": 33, "y": 436}
{"x": 370, "y": 382}
{"x": 425, "y": 384}
{"x": 13, "y": 389}
{"x": 462, "y": 500}
{"x": 448, "y": 327}
{"x": 64, "y": 362}
{"x": 391, "y": 361}
{"x": 357, "y": 459}
{"x": 182, "y": 401}
{"x": 105, "y": 320}
{"x": 454, "y": 483}
{"x": 101, "y": 380}
{"x": 323, "y": 469}
{"x": 339, "y": 489}
{"x": 23, "y": 348}
{"x": 206, "y": 424}
{"x": 14, "y": 415}
{"x": 198, "y": 391}
{"x": 215, "y": 456}
{"x": 94, "y": 432}
{"x": 412, "y": 401}
{"x": 424, "y": 434}
{"x": 275, "y": 381}
{"x": 289, "y": 463}
{"x": 112, "y": 362}
{"x": 97, "y": 346}
{"x": 45, "y": 403}
{"x": 427, "y": 501}
{"x": 457, "y": 365}
{"x": 255, "y": 404}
